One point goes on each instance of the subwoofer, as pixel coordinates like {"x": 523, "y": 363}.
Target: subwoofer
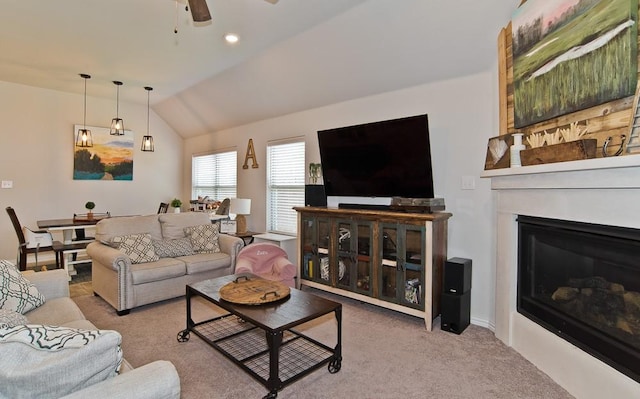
{"x": 456, "y": 312}
{"x": 314, "y": 195}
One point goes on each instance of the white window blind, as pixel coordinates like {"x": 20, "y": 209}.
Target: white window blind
{"x": 285, "y": 185}
{"x": 214, "y": 175}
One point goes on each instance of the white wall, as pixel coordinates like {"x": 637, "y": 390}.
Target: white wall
{"x": 36, "y": 153}
{"x": 461, "y": 118}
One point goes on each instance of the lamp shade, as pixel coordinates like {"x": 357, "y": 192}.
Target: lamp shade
{"x": 240, "y": 206}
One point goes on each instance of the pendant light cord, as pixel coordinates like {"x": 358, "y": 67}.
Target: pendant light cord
{"x": 148, "y": 94}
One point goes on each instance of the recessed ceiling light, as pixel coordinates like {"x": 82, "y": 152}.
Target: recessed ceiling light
{"x": 231, "y": 38}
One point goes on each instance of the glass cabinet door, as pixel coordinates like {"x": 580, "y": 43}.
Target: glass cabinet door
{"x": 388, "y": 276}
{"x": 402, "y": 269}
{"x": 308, "y": 247}
{"x": 323, "y": 241}
{"x": 345, "y": 254}
{"x": 412, "y": 266}
{"x": 364, "y": 258}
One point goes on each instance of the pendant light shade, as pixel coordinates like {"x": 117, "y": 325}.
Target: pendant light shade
{"x": 117, "y": 124}
{"x": 147, "y": 140}
{"x": 83, "y": 139}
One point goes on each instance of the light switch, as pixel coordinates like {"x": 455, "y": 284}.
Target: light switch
{"x": 7, "y": 184}
{"x": 468, "y": 183}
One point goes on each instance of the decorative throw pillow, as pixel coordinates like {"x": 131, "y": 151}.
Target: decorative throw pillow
{"x": 204, "y": 238}
{"x": 16, "y": 292}
{"x": 41, "y": 361}
{"x": 138, "y": 247}
{"x": 172, "y": 248}
{"x": 9, "y": 318}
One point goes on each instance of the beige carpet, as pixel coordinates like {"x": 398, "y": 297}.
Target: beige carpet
{"x": 385, "y": 355}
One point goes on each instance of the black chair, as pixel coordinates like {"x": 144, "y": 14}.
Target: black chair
{"x": 164, "y": 207}
{"x": 23, "y": 251}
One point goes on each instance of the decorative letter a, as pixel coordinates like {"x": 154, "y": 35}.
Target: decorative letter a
{"x": 251, "y": 153}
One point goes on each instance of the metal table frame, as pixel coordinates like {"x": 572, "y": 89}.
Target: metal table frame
{"x": 275, "y": 355}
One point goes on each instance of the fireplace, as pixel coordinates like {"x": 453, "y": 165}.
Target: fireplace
{"x": 604, "y": 191}
{"x": 581, "y": 281}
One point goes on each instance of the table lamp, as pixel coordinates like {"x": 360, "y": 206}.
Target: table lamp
{"x": 240, "y": 207}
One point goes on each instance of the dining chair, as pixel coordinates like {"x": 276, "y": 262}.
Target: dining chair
{"x": 24, "y": 247}
{"x": 164, "y": 207}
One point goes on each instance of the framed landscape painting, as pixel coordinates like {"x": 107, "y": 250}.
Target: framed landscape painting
{"x": 570, "y": 55}
{"x": 110, "y": 158}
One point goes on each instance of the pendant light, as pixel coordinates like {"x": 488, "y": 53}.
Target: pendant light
{"x": 117, "y": 124}
{"x": 83, "y": 139}
{"x": 147, "y": 140}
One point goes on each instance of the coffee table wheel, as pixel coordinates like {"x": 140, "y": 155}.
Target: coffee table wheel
{"x": 334, "y": 366}
{"x": 183, "y": 336}
{"x": 271, "y": 395}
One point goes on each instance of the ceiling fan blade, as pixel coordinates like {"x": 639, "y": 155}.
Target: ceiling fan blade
{"x": 272, "y": 1}
{"x": 199, "y": 10}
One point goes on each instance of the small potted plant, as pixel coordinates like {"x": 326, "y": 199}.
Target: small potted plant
{"x": 90, "y": 205}
{"x": 176, "y": 204}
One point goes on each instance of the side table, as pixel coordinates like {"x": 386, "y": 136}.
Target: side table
{"x": 247, "y": 236}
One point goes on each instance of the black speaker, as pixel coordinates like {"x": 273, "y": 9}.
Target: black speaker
{"x": 456, "y": 312}
{"x": 457, "y": 276}
{"x": 314, "y": 195}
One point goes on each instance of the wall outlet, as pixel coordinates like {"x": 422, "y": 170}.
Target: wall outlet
{"x": 468, "y": 183}
{"x": 7, "y": 184}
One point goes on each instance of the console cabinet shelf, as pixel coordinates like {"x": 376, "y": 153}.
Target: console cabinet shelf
{"x": 390, "y": 259}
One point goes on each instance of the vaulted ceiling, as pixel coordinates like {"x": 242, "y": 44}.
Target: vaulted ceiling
{"x": 295, "y": 55}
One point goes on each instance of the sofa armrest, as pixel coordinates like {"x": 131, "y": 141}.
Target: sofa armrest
{"x": 156, "y": 380}
{"x": 106, "y": 255}
{"x": 52, "y": 283}
{"x": 230, "y": 245}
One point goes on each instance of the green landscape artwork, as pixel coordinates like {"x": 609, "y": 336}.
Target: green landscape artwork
{"x": 570, "y": 55}
{"x": 110, "y": 158}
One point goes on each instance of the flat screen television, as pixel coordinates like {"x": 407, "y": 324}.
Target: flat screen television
{"x": 377, "y": 160}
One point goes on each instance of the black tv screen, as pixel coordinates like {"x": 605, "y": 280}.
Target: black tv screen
{"x": 380, "y": 159}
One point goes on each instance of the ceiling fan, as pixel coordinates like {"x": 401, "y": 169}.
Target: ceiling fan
{"x": 200, "y": 11}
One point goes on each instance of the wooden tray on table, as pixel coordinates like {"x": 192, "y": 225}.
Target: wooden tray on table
{"x": 256, "y": 291}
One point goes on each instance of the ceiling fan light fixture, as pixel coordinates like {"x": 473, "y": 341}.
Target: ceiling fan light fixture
{"x": 83, "y": 139}
{"x": 147, "y": 140}
{"x": 117, "y": 124}
{"x": 231, "y": 38}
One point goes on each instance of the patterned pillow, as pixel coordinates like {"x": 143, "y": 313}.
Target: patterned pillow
{"x": 16, "y": 292}
{"x": 138, "y": 247}
{"x": 47, "y": 354}
{"x": 172, "y": 248}
{"x": 204, "y": 238}
{"x": 9, "y": 318}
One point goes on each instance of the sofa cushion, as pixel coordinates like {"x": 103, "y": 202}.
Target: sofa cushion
{"x": 170, "y": 248}
{"x": 9, "y": 318}
{"x": 16, "y": 292}
{"x": 173, "y": 224}
{"x": 41, "y": 361}
{"x": 138, "y": 247}
{"x": 162, "y": 269}
{"x": 56, "y": 311}
{"x": 204, "y": 238}
{"x": 108, "y": 228}
{"x": 198, "y": 263}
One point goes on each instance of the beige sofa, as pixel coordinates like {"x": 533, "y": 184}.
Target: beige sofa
{"x": 126, "y": 285}
{"x": 47, "y": 373}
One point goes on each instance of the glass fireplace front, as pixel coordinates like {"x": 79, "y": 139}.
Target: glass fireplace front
{"x": 581, "y": 281}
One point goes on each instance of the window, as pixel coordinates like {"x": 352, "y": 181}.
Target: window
{"x": 285, "y": 185}
{"x": 214, "y": 175}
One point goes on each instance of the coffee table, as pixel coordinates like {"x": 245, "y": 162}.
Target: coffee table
{"x": 261, "y": 339}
